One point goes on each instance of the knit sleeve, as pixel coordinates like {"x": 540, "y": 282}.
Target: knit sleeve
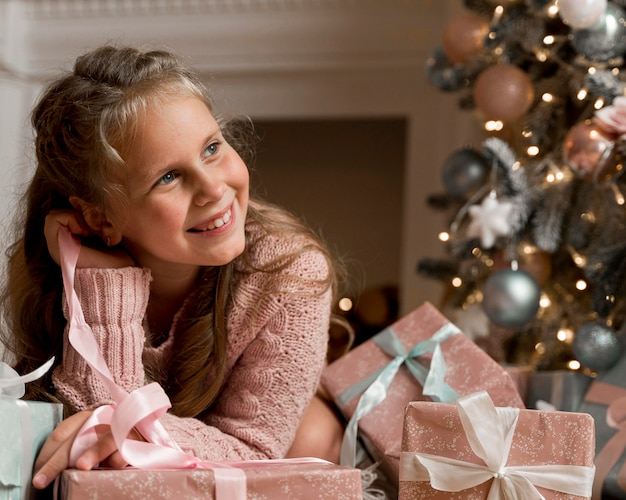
{"x": 114, "y": 303}
{"x": 275, "y": 377}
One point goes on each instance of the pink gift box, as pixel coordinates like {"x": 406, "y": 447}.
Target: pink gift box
{"x": 264, "y": 482}
{"x": 541, "y": 440}
{"x": 468, "y": 369}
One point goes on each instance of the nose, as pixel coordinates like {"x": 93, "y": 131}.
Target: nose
{"x": 208, "y": 186}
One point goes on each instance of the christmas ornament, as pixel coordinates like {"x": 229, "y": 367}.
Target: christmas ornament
{"x": 511, "y": 298}
{"x": 587, "y": 150}
{"x": 612, "y": 118}
{"x": 464, "y": 36}
{"x": 503, "y": 92}
{"x": 606, "y": 39}
{"x": 581, "y": 14}
{"x": 597, "y": 346}
{"x": 463, "y": 172}
{"x": 489, "y": 220}
{"x": 536, "y": 262}
{"x": 443, "y": 74}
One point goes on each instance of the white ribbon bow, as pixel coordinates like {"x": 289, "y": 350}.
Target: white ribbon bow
{"x": 12, "y": 385}
{"x": 490, "y": 432}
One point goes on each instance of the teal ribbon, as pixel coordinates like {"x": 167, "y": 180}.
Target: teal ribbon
{"x": 374, "y": 388}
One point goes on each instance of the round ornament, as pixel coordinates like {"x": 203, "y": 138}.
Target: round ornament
{"x": 581, "y": 14}
{"x": 606, "y": 39}
{"x": 464, "y": 36}
{"x": 463, "y": 172}
{"x": 536, "y": 262}
{"x": 511, "y": 298}
{"x": 597, "y": 346}
{"x": 503, "y": 92}
{"x": 587, "y": 149}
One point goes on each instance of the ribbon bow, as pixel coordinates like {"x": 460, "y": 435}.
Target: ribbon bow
{"x": 141, "y": 408}
{"x": 615, "y": 397}
{"x": 490, "y": 432}
{"x": 374, "y": 387}
{"x": 13, "y": 387}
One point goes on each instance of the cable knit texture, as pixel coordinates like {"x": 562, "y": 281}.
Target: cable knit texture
{"x": 277, "y": 339}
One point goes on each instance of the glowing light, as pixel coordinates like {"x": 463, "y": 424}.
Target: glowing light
{"x": 574, "y": 364}
{"x": 545, "y": 301}
{"x": 457, "y": 282}
{"x": 581, "y": 285}
{"x": 582, "y": 94}
{"x": 345, "y": 304}
{"x": 549, "y": 39}
{"x": 553, "y": 10}
{"x": 444, "y": 236}
{"x": 540, "y": 348}
{"x": 592, "y": 70}
{"x": 494, "y": 125}
{"x": 565, "y": 335}
{"x": 547, "y": 97}
{"x": 532, "y": 150}
{"x": 599, "y": 104}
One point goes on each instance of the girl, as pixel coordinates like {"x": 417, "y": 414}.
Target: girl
{"x": 184, "y": 280}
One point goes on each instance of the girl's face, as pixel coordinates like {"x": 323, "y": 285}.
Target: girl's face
{"x": 188, "y": 190}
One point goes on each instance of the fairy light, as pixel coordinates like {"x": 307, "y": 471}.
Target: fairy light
{"x": 457, "y": 282}
{"x": 494, "y": 125}
{"x": 581, "y": 285}
{"x": 582, "y": 94}
{"x": 619, "y": 196}
{"x": 444, "y": 236}
{"x": 599, "y": 103}
{"x": 549, "y": 39}
{"x": 574, "y": 364}
{"x": 547, "y": 97}
{"x": 545, "y": 301}
{"x": 540, "y": 348}
{"x": 345, "y": 304}
{"x": 553, "y": 10}
{"x": 565, "y": 335}
{"x": 532, "y": 150}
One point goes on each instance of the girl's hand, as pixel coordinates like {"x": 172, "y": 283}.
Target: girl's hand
{"x": 90, "y": 256}
{"x": 54, "y": 456}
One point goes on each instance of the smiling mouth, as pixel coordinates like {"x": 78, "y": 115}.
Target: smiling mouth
{"x": 214, "y": 224}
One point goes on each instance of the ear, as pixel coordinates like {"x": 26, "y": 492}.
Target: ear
{"x": 96, "y": 219}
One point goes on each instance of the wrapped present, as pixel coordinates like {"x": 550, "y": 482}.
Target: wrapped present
{"x": 605, "y": 400}
{"x": 24, "y": 427}
{"x": 521, "y": 376}
{"x": 561, "y": 389}
{"x": 422, "y": 356}
{"x": 472, "y": 450}
{"x": 264, "y": 481}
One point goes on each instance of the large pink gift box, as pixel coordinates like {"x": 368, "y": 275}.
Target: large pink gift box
{"x": 472, "y": 450}
{"x": 467, "y": 369}
{"x": 302, "y": 481}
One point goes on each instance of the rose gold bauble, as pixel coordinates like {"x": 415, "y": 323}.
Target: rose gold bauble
{"x": 464, "y": 36}
{"x": 587, "y": 149}
{"x": 503, "y": 92}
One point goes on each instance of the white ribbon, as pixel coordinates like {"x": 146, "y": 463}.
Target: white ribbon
{"x": 490, "y": 432}
{"x": 12, "y": 385}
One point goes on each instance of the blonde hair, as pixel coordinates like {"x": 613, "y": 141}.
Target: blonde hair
{"x": 82, "y": 124}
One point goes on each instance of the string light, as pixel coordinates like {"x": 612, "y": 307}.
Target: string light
{"x": 581, "y": 285}
{"x": 574, "y": 364}
{"x": 345, "y": 304}
{"x": 444, "y": 236}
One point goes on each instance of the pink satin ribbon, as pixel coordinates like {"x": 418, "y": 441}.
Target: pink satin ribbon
{"x": 615, "y": 398}
{"x": 141, "y": 408}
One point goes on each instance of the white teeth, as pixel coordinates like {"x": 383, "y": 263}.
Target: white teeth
{"x": 219, "y": 222}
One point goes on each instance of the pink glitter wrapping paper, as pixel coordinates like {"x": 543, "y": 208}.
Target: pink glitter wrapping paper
{"x": 468, "y": 369}
{"x": 541, "y": 438}
{"x": 266, "y": 482}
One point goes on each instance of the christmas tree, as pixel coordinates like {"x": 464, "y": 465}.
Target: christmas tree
{"x": 535, "y": 264}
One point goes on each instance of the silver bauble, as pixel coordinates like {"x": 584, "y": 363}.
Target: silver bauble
{"x": 597, "y": 346}
{"x": 463, "y": 172}
{"x": 605, "y": 40}
{"x": 511, "y": 298}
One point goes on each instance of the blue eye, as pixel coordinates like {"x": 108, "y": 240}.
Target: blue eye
{"x": 167, "y": 178}
{"x": 210, "y": 150}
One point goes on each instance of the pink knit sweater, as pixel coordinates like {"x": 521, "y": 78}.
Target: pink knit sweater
{"x": 274, "y": 358}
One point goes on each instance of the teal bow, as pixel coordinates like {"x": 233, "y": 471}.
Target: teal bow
{"x": 374, "y": 388}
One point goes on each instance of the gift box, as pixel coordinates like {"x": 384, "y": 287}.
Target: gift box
{"x": 605, "y": 400}
{"x": 422, "y": 356}
{"x": 521, "y": 377}
{"x": 562, "y": 389}
{"x": 24, "y": 427}
{"x": 473, "y": 450}
{"x": 265, "y": 481}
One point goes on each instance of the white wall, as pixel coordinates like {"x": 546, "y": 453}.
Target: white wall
{"x": 271, "y": 60}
